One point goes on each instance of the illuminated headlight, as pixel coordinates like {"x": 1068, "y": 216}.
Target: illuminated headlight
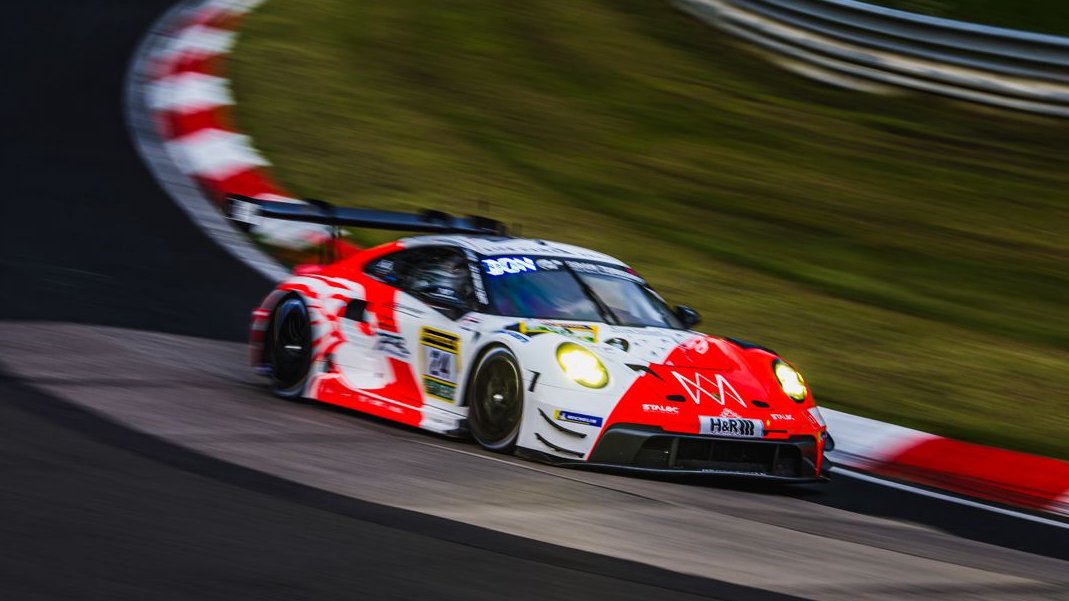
{"x": 790, "y": 380}
{"x": 581, "y": 365}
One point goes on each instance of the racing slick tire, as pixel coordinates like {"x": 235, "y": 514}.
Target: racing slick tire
{"x": 288, "y": 348}
{"x": 495, "y": 401}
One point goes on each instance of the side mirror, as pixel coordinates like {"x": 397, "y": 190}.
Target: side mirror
{"x": 688, "y": 316}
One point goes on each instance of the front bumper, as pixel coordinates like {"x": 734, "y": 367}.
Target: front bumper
{"x": 650, "y": 449}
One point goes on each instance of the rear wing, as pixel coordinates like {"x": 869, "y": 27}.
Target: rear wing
{"x": 250, "y": 210}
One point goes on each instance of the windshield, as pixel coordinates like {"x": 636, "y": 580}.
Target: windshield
{"x": 547, "y": 288}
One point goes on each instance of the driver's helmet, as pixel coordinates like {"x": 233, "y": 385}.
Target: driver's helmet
{"x": 443, "y": 280}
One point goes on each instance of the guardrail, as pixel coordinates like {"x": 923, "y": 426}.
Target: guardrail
{"x": 849, "y": 42}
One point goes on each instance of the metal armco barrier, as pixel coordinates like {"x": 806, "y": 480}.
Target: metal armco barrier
{"x": 851, "y": 42}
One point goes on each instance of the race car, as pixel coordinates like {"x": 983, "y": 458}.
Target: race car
{"x": 538, "y": 348}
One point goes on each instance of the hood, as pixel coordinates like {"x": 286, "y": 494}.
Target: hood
{"x": 661, "y": 345}
{"x": 711, "y": 374}
{"x": 702, "y": 377}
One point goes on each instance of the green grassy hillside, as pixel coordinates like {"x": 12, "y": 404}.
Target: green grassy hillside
{"x": 908, "y": 253}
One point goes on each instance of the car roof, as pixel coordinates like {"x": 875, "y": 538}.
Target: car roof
{"x": 490, "y": 246}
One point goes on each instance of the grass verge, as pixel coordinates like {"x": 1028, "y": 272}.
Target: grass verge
{"x": 908, "y": 253}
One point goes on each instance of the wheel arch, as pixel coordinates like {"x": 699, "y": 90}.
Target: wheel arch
{"x": 263, "y": 317}
{"x": 487, "y": 346}
{"x": 290, "y": 386}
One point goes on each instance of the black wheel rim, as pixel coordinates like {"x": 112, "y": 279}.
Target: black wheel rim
{"x": 291, "y": 348}
{"x": 497, "y": 401}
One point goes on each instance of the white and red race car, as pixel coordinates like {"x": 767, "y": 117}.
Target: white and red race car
{"x": 528, "y": 346}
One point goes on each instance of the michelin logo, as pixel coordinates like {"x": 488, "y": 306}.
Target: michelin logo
{"x": 577, "y": 418}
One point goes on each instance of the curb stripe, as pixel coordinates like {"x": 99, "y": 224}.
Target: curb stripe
{"x": 199, "y": 41}
{"x": 189, "y": 92}
{"x": 986, "y": 472}
{"x": 215, "y": 153}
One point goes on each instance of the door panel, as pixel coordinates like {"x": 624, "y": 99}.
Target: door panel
{"x": 437, "y": 345}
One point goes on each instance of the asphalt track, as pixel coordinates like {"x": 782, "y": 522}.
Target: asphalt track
{"x": 93, "y": 506}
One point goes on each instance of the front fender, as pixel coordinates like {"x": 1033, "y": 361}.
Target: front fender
{"x": 561, "y": 417}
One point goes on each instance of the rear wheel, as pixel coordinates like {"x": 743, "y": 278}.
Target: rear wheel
{"x": 495, "y": 401}
{"x": 288, "y": 347}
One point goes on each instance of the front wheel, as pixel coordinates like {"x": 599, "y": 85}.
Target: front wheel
{"x": 288, "y": 348}
{"x": 495, "y": 401}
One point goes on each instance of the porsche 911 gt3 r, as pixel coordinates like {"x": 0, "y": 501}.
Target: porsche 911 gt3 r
{"x": 529, "y": 346}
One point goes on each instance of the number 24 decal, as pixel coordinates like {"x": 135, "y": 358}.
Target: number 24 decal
{"x": 440, "y": 364}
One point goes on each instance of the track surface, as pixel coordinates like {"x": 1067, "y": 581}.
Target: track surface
{"x": 93, "y": 508}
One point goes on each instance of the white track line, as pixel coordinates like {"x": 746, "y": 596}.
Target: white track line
{"x": 945, "y": 497}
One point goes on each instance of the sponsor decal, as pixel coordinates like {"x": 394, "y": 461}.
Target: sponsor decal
{"x": 382, "y": 270}
{"x": 585, "y": 332}
{"x": 548, "y": 264}
{"x": 666, "y": 409}
{"x": 577, "y": 418}
{"x": 446, "y": 341}
{"x": 600, "y": 268}
{"x": 783, "y": 417}
{"x": 383, "y": 267}
{"x": 518, "y": 336}
{"x": 392, "y": 344}
{"x": 718, "y": 390}
{"x": 476, "y": 278}
{"x": 440, "y": 358}
{"x": 731, "y": 426}
{"x": 503, "y": 248}
{"x": 438, "y": 389}
{"x": 505, "y": 265}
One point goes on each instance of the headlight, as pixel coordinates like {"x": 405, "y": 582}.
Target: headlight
{"x": 790, "y": 380}
{"x": 582, "y": 365}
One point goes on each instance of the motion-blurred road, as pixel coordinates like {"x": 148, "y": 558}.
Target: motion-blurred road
{"x": 93, "y": 508}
